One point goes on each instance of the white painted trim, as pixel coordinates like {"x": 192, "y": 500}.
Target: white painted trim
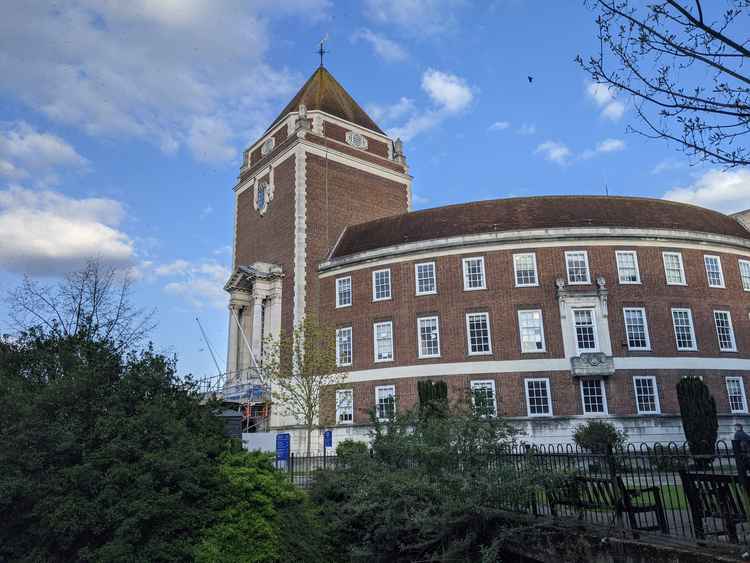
{"x": 434, "y": 276}
{"x": 742, "y": 390}
{"x": 594, "y": 326}
{"x": 722, "y": 283}
{"x": 468, "y": 334}
{"x": 603, "y": 389}
{"x": 464, "y": 262}
{"x": 476, "y": 383}
{"x": 682, "y": 267}
{"x": 300, "y": 235}
{"x": 375, "y": 342}
{"x": 747, "y": 265}
{"x": 419, "y": 337}
{"x": 356, "y": 162}
{"x": 541, "y": 326}
{"x": 633, "y": 253}
{"x": 549, "y": 397}
{"x": 655, "y": 385}
{"x": 645, "y": 328}
{"x": 375, "y": 298}
{"x": 539, "y": 238}
{"x": 689, "y": 311}
{"x": 249, "y": 182}
{"x": 731, "y": 330}
{"x": 634, "y": 363}
{"x": 588, "y": 268}
{"x": 515, "y": 269}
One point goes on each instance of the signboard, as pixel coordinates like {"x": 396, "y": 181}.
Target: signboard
{"x": 282, "y": 446}
{"x": 327, "y": 439}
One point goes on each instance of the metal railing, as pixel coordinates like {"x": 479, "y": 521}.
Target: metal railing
{"x": 660, "y": 489}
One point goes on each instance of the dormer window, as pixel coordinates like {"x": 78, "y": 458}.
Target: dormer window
{"x": 267, "y": 146}
{"x": 357, "y": 140}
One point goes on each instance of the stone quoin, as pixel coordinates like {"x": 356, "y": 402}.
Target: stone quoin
{"x": 552, "y": 310}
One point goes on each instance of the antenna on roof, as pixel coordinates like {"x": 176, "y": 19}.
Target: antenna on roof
{"x": 322, "y": 50}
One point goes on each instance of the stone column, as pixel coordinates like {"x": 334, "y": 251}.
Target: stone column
{"x": 257, "y": 335}
{"x": 232, "y": 347}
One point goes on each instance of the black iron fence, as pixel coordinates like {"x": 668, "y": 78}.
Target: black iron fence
{"x": 660, "y": 489}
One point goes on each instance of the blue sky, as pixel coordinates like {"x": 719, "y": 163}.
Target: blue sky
{"x": 122, "y": 126}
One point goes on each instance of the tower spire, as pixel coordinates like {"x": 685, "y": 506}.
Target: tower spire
{"x": 322, "y": 51}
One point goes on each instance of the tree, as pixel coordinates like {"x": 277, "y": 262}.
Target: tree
{"x": 95, "y": 302}
{"x": 299, "y": 367}
{"x": 599, "y": 436}
{"x": 433, "y": 398}
{"x": 103, "y": 456}
{"x": 698, "y": 412}
{"x": 685, "y": 65}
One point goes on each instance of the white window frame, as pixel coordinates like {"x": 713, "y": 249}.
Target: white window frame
{"x": 518, "y": 256}
{"x": 545, "y": 380}
{"x": 682, "y": 267}
{"x": 541, "y": 327}
{"x": 375, "y": 341}
{"x": 603, "y": 389}
{"x": 634, "y": 254}
{"x": 722, "y": 283}
{"x": 657, "y": 404}
{"x": 594, "y": 323}
{"x": 588, "y": 267}
{"x": 374, "y": 285}
{"x": 692, "y": 329}
{"x": 642, "y": 310}
{"x": 489, "y": 334}
{"x": 744, "y": 264}
{"x": 476, "y": 383}
{"x": 338, "y": 346}
{"x": 731, "y": 330}
{"x": 742, "y": 392}
{"x": 464, "y": 263}
{"x": 339, "y": 402}
{"x": 434, "y": 278}
{"x": 385, "y": 388}
{"x": 420, "y": 355}
{"x": 340, "y": 305}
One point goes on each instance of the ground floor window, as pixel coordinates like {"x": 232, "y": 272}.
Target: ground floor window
{"x": 344, "y": 406}
{"x": 593, "y": 396}
{"x": 385, "y": 401}
{"x": 736, "y": 394}
{"x": 538, "y": 397}
{"x": 483, "y": 397}
{"x": 646, "y": 395}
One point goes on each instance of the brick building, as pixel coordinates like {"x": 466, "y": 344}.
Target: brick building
{"x": 548, "y": 310}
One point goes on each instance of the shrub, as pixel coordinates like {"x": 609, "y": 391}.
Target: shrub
{"x": 698, "y": 412}
{"x": 433, "y": 398}
{"x": 597, "y": 436}
{"x": 348, "y": 449}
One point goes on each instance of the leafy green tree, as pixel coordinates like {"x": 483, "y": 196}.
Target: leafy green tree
{"x": 268, "y": 518}
{"x": 433, "y": 397}
{"x": 103, "y": 457}
{"x": 433, "y": 490}
{"x": 699, "y": 420}
{"x": 598, "y": 436}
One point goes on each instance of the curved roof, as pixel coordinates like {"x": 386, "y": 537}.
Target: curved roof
{"x": 323, "y": 92}
{"x": 542, "y": 212}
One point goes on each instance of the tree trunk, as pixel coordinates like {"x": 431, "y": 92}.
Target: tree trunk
{"x": 309, "y": 435}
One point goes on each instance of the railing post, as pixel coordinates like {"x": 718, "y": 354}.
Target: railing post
{"x": 291, "y": 467}
{"x": 612, "y": 468}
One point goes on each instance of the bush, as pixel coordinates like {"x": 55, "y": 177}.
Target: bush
{"x": 348, "y": 449}
{"x": 698, "y": 412}
{"x": 598, "y": 436}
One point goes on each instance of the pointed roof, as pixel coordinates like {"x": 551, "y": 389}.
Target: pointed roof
{"x": 323, "y": 92}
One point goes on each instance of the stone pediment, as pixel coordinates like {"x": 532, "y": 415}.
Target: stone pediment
{"x": 243, "y": 277}
{"x": 592, "y": 364}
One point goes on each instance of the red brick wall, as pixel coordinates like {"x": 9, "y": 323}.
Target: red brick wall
{"x": 334, "y": 131}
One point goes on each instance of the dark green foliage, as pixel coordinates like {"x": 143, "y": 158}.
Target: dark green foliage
{"x": 699, "y": 420}
{"x": 268, "y": 518}
{"x": 598, "y": 436}
{"x": 431, "y": 491}
{"x": 433, "y": 397}
{"x": 102, "y": 457}
{"x": 347, "y": 449}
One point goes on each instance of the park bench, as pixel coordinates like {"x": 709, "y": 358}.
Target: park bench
{"x": 601, "y": 493}
{"x": 719, "y": 497}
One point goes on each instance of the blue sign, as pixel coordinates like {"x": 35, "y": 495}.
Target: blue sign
{"x": 282, "y": 446}
{"x": 327, "y": 439}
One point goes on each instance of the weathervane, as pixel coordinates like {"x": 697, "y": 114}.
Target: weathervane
{"x": 322, "y": 51}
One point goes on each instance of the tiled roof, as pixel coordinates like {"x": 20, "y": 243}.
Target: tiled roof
{"x": 323, "y": 92}
{"x": 543, "y": 212}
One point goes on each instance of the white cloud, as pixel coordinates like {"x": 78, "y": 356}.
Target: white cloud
{"x": 450, "y": 95}
{"x": 151, "y": 70}
{"x": 666, "y": 165}
{"x": 385, "y": 48}
{"x": 418, "y": 17}
{"x": 209, "y": 139}
{"x": 526, "y": 129}
{"x": 554, "y": 151}
{"x": 725, "y": 191}
{"x": 25, "y": 152}
{"x": 604, "y": 98}
{"x": 606, "y": 146}
{"x": 421, "y": 200}
{"x": 49, "y": 233}
{"x": 404, "y": 106}
{"x": 499, "y": 126}
{"x": 201, "y": 283}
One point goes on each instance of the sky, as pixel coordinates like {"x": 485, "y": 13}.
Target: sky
{"x": 122, "y": 126}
